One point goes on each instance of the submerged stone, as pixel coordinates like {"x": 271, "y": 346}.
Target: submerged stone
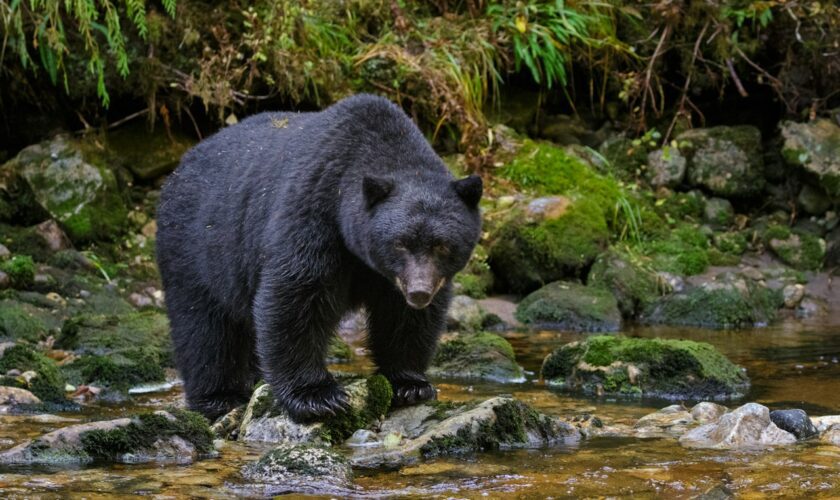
{"x": 673, "y": 369}
{"x": 482, "y": 355}
{"x": 747, "y": 427}
{"x": 570, "y": 306}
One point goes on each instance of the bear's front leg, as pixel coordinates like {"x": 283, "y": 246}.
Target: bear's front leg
{"x": 294, "y": 324}
{"x": 403, "y": 341}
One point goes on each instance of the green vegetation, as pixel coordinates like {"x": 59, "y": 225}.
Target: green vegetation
{"x": 48, "y": 383}
{"x": 338, "y": 428}
{"x": 22, "y": 321}
{"x": 799, "y": 249}
{"x": 629, "y": 277}
{"x": 21, "y": 271}
{"x": 570, "y": 306}
{"x": 652, "y": 367}
{"x": 118, "y": 371}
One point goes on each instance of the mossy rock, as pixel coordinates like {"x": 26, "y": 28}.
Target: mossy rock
{"x": 635, "y": 367}
{"x": 22, "y": 321}
{"x": 570, "y": 306}
{"x": 48, "y": 383}
{"x": 25, "y": 241}
{"x": 68, "y": 180}
{"x": 21, "y": 271}
{"x": 119, "y": 371}
{"x": 797, "y": 248}
{"x": 475, "y": 280}
{"x": 626, "y": 157}
{"x": 629, "y": 277}
{"x": 684, "y": 252}
{"x": 301, "y": 468}
{"x": 682, "y": 206}
{"x": 727, "y": 161}
{"x": 526, "y": 254}
{"x": 732, "y": 242}
{"x": 724, "y": 303}
{"x": 147, "y": 154}
{"x": 482, "y": 355}
{"x": 103, "y": 334}
{"x": 815, "y": 147}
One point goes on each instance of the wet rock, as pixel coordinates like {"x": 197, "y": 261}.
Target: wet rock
{"x": 809, "y": 307}
{"x": 483, "y": 355}
{"x": 725, "y": 160}
{"x": 719, "y": 212}
{"x": 98, "y": 333}
{"x": 47, "y": 382}
{"x": 728, "y": 302}
{"x": 744, "y": 428}
{"x": 429, "y": 431}
{"x": 793, "y": 295}
{"x": 14, "y": 396}
{"x": 815, "y": 147}
{"x": 794, "y": 421}
{"x": 65, "y": 179}
{"x": 800, "y": 249}
{"x": 464, "y": 314}
{"x": 666, "y": 167}
{"x": 24, "y": 321}
{"x": 227, "y": 426}
{"x": 823, "y": 423}
{"x": 831, "y": 435}
{"x": 164, "y": 436}
{"x": 633, "y": 283}
{"x": 813, "y": 200}
{"x": 674, "y": 369}
{"x": 570, "y": 306}
{"x": 673, "y": 420}
{"x": 302, "y": 469}
{"x": 706, "y": 412}
{"x": 53, "y": 236}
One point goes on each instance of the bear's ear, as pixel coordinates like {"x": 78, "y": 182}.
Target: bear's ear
{"x": 376, "y": 189}
{"x": 469, "y": 189}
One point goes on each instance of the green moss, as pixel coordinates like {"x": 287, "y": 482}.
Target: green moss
{"x": 21, "y": 271}
{"x": 476, "y": 279}
{"x": 734, "y": 242}
{"x": 144, "y": 430}
{"x": 117, "y": 371}
{"x": 682, "y": 206}
{"x": 480, "y": 355}
{"x": 672, "y": 368}
{"x": 629, "y": 277}
{"x": 684, "y": 252}
{"x": 339, "y": 351}
{"x": 799, "y": 249}
{"x": 25, "y": 241}
{"x": 570, "y": 306}
{"x": 98, "y": 334}
{"x": 21, "y": 321}
{"x": 48, "y": 383}
{"x": 338, "y": 428}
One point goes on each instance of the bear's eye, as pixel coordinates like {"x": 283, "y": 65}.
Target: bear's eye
{"x": 441, "y": 250}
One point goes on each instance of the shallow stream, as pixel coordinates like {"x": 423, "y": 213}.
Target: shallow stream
{"x": 792, "y": 365}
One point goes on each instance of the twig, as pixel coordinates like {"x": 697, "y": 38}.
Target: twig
{"x": 127, "y": 118}
{"x": 684, "y": 96}
{"x": 776, "y": 83}
{"x": 195, "y": 125}
{"x": 738, "y": 84}
{"x": 649, "y": 72}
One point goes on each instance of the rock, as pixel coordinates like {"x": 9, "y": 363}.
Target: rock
{"x": 825, "y": 422}
{"x": 666, "y": 167}
{"x": 140, "y": 301}
{"x": 831, "y": 435}
{"x": 5, "y": 281}
{"x": 227, "y": 426}
{"x": 47, "y": 384}
{"x": 706, "y": 412}
{"x": 813, "y": 200}
{"x": 797, "y": 248}
{"x": 302, "y": 469}
{"x": 175, "y": 436}
{"x": 631, "y": 281}
{"x": 4, "y": 252}
{"x": 440, "y": 429}
{"x": 476, "y": 279}
{"x": 95, "y": 333}
{"x": 66, "y": 179}
{"x": 719, "y": 212}
{"x": 147, "y": 154}
{"x": 464, "y": 314}
{"x": 729, "y": 302}
{"x": 815, "y": 147}
{"x": 483, "y": 355}
{"x": 794, "y": 421}
{"x": 53, "y": 236}
{"x": 24, "y": 321}
{"x": 725, "y": 160}
{"x": 673, "y": 420}
{"x": 672, "y": 369}
{"x": 746, "y": 427}
{"x": 732, "y": 243}
{"x": 570, "y": 306}
{"x": 21, "y": 271}
{"x": 793, "y": 295}
{"x": 149, "y": 230}
{"x": 14, "y": 396}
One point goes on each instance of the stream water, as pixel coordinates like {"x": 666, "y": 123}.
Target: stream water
{"x": 794, "y": 364}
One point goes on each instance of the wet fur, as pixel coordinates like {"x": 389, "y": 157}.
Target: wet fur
{"x": 265, "y": 239}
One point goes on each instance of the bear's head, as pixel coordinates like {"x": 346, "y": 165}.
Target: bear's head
{"x": 419, "y": 232}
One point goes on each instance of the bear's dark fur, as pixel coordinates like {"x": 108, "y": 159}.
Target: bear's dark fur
{"x": 272, "y": 229}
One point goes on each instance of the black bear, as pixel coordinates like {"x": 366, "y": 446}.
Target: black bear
{"x": 270, "y": 230}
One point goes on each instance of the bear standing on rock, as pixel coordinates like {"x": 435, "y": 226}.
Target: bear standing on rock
{"x": 272, "y": 229}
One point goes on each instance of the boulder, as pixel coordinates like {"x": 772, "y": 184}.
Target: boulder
{"x": 632, "y": 281}
{"x": 797, "y": 248}
{"x": 570, "y": 306}
{"x": 635, "y": 367}
{"x": 831, "y": 435}
{"x": 301, "y": 469}
{"x": 14, "y": 396}
{"x": 67, "y": 180}
{"x": 666, "y": 167}
{"x": 815, "y": 147}
{"x": 53, "y": 236}
{"x": 747, "y": 427}
{"x": 727, "y": 161}
{"x": 465, "y": 314}
{"x": 719, "y": 212}
{"x": 175, "y": 436}
{"x": 794, "y": 421}
{"x": 482, "y": 356}
{"x": 813, "y": 200}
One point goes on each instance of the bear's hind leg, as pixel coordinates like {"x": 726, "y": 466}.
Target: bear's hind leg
{"x": 214, "y": 354}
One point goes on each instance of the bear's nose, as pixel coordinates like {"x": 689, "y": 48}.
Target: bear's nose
{"x": 419, "y": 299}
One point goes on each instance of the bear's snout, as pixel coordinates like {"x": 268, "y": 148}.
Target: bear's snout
{"x": 419, "y": 281}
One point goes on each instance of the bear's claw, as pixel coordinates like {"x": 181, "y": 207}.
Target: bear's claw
{"x": 409, "y": 392}
{"x": 309, "y": 403}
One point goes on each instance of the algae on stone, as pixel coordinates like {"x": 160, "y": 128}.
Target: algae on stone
{"x": 797, "y": 248}
{"x": 48, "y": 383}
{"x": 21, "y": 271}
{"x": 481, "y": 355}
{"x": 674, "y": 369}
{"x": 570, "y": 306}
